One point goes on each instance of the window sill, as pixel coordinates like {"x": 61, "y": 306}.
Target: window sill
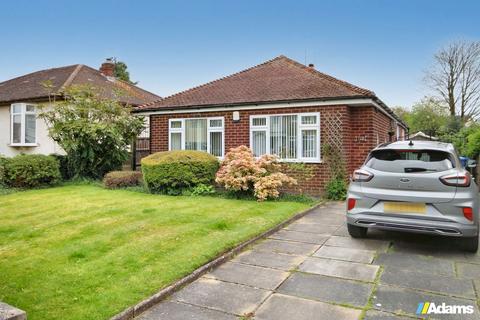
{"x": 315, "y": 161}
{"x": 23, "y": 145}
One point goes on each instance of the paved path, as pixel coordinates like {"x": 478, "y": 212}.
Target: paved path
{"x": 312, "y": 269}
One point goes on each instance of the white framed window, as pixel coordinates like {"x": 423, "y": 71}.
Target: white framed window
{"x": 292, "y": 137}
{"x": 23, "y": 124}
{"x": 202, "y": 134}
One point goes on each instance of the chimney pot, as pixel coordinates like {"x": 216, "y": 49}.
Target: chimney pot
{"x": 311, "y": 65}
{"x": 108, "y": 68}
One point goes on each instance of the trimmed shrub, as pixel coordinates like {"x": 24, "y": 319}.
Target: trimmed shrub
{"x": 3, "y": 162}
{"x": 122, "y": 179}
{"x": 242, "y": 173}
{"x": 32, "y": 170}
{"x": 171, "y": 172}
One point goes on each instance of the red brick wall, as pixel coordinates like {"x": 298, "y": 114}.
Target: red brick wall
{"x": 358, "y": 131}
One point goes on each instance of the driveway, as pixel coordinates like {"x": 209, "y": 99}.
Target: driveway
{"x": 312, "y": 269}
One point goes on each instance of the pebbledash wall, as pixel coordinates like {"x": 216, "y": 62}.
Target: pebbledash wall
{"x": 356, "y": 129}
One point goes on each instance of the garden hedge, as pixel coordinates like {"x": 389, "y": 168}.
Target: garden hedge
{"x": 3, "y": 161}
{"x": 122, "y": 179}
{"x": 30, "y": 171}
{"x": 173, "y": 171}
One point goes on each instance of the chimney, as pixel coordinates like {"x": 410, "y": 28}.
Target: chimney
{"x": 108, "y": 68}
{"x": 311, "y": 65}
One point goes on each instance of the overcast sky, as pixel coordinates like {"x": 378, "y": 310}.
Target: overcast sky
{"x": 384, "y": 46}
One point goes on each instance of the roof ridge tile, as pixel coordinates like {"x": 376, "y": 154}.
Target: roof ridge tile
{"x": 71, "y": 77}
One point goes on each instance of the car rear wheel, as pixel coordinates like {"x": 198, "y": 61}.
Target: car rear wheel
{"x": 470, "y": 244}
{"x": 357, "y": 232}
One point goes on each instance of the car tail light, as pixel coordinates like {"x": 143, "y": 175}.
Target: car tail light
{"x": 362, "y": 176}
{"x": 468, "y": 213}
{"x": 351, "y": 204}
{"x": 460, "y": 180}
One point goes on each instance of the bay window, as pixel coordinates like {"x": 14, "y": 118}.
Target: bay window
{"x": 23, "y": 120}
{"x": 292, "y": 137}
{"x": 202, "y": 134}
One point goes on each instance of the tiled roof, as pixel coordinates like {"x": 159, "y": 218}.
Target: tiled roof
{"x": 30, "y": 86}
{"x": 279, "y": 79}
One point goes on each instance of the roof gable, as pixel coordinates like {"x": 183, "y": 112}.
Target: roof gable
{"x": 279, "y": 79}
{"x": 31, "y": 86}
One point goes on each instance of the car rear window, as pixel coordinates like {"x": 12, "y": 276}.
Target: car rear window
{"x": 410, "y": 161}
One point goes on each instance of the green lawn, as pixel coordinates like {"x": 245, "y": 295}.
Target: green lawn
{"x": 84, "y": 252}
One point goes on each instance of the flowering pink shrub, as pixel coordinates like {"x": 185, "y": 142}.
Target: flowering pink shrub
{"x": 240, "y": 171}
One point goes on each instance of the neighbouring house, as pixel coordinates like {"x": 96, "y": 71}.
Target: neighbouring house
{"x": 422, "y": 137}
{"x": 279, "y": 107}
{"x": 23, "y": 132}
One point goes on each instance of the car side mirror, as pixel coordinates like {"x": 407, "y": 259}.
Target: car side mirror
{"x": 472, "y": 164}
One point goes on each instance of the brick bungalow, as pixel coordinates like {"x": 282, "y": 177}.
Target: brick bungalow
{"x": 280, "y": 107}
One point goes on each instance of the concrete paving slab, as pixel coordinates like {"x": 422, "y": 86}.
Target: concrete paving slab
{"x": 338, "y": 208}
{"x": 227, "y": 297}
{"x": 415, "y": 262}
{"x": 313, "y": 228}
{"x": 300, "y": 236}
{"x": 327, "y": 289}
{"x": 342, "y": 232}
{"x": 468, "y": 270}
{"x": 476, "y": 283}
{"x": 286, "y": 247}
{"x": 401, "y": 300}
{"x": 329, "y": 220}
{"x": 365, "y": 244}
{"x": 8, "y": 312}
{"x": 430, "y": 282}
{"x": 173, "y": 310}
{"x": 380, "y": 315}
{"x": 346, "y": 254}
{"x": 443, "y": 248}
{"x": 341, "y": 269}
{"x": 281, "y": 307}
{"x": 471, "y": 258}
{"x": 264, "y": 278}
{"x": 279, "y": 261}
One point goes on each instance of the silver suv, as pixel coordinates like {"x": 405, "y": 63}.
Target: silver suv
{"x": 414, "y": 186}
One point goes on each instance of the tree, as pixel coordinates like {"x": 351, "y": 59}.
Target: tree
{"x": 455, "y": 77}
{"x": 403, "y": 113}
{"x": 93, "y": 131}
{"x": 472, "y": 145}
{"x": 429, "y": 115}
{"x": 122, "y": 73}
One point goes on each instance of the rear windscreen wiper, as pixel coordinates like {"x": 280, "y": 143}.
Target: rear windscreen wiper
{"x": 409, "y": 170}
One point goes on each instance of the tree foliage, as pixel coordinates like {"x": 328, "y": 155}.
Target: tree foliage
{"x": 403, "y": 113}
{"x": 429, "y": 116}
{"x": 459, "y": 138}
{"x": 455, "y": 77}
{"x": 122, "y": 73}
{"x": 472, "y": 145}
{"x": 93, "y": 131}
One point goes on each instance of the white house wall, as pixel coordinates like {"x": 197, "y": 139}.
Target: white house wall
{"x": 45, "y": 145}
